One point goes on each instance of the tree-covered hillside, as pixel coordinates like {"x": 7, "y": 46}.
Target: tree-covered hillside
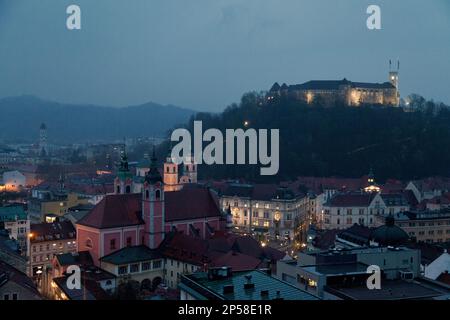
{"x": 341, "y": 141}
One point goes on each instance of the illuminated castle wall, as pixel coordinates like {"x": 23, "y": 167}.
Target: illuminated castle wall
{"x": 332, "y": 92}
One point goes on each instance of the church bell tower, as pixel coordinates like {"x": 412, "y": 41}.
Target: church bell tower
{"x": 124, "y": 180}
{"x": 153, "y": 209}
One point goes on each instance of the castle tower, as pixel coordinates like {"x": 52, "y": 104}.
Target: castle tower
{"x": 153, "y": 206}
{"x": 43, "y": 147}
{"x": 394, "y": 79}
{"x": 124, "y": 181}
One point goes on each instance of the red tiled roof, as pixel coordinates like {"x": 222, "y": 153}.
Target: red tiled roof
{"x": 439, "y": 200}
{"x": 118, "y": 210}
{"x": 125, "y": 209}
{"x": 351, "y": 200}
{"x": 410, "y": 198}
{"x": 10, "y": 273}
{"x": 52, "y": 231}
{"x": 185, "y": 248}
{"x": 317, "y": 184}
{"x": 433, "y": 183}
{"x": 241, "y": 253}
{"x": 190, "y": 203}
{"x": 249, "y": 246}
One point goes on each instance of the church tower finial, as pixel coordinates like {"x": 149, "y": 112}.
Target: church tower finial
{"x": 153, "y": 174}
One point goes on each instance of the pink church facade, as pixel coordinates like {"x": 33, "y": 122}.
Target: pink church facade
{"x": 124, "y": 220}
{"x": 101, "y": 242}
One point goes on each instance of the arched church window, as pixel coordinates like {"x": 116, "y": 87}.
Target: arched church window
{"x": 158, "y": 194}
{"x": 147, "y": 194}
{"x": 128, "y": 189}
{"x": 118, "y": 189}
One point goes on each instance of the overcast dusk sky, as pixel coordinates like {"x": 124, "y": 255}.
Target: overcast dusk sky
{"x": 204, "y": 54}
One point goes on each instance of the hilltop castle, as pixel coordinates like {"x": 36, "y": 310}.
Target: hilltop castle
{"x": 332, "y": 92}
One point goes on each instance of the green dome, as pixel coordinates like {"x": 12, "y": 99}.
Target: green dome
{"x": 389, "y": 234}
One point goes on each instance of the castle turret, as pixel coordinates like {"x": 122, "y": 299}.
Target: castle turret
{"x": 394, "y": 79}
{"x": 153, "y": 212}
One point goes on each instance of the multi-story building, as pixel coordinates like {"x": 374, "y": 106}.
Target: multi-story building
{"x": 16, "y": 222}
{"x": 345, "y": 209}
{"x": 224, "y": 284}
{"x": 13, "y": 181}
{"x": 15, "y": 285}
{"x": 429, "y": 188}
{"x": 47, "y": 240}
{"x": 426, "y": 226}
{"x": 274, "y": 210}
{"x": 344, "y": 274}
{"x": 46, "y": 202}
{"x": 137, "y": 263}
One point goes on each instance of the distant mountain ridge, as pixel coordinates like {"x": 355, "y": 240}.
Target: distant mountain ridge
{"x": 20, "y": 118}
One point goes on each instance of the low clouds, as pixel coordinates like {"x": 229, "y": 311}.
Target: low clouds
{"x": 204, "y": 54}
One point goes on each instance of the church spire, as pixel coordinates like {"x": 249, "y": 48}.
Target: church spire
{"x": 153, "y": 174}
{"x": 124, "y": 162}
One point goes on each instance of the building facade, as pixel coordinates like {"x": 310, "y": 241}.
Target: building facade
{"x": 426, "y": 226}
{"x": 47, "y": 240}
{"x": 369, "y": 209}
{"x": 16, "y": 222}
{"x": 270, "y": 209}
